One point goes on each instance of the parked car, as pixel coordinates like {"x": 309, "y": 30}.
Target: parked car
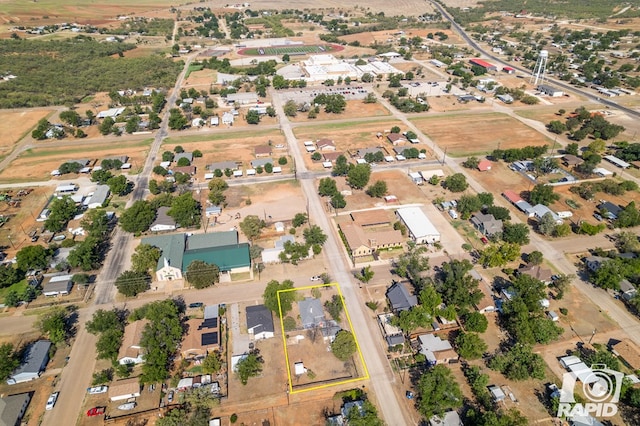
{"x": 52, "y": 400}
{"x": 484, "y": 240}
{"x": 95, "y": 411}
{"x": 316, "y": 278}
{"x": 97, "y": 389}
{"x": 128, "y": 406}
{"x": 170, "y": 397}
{"x": 598, "y": 217}
{"x": 196, "y": 305}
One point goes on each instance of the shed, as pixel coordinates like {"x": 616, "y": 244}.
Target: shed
{"x": 616, "y": 161}
{"x": 484, "y": 165}
{"x": 496, "y": 393}
{"x": 416, "y": 178}
{"x": 549, "y": 90}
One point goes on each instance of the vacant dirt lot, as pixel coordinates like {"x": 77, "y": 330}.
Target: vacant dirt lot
{"x": 21, "y": 219}
{"x": 475, "y": 134}
{"x": 354, "y": 109}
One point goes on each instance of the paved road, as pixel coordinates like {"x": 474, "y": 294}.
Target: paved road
{"x": 364, "y": 329}
{"x": 73, "y": 386}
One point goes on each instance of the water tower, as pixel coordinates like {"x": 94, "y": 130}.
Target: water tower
{"x": 540, "y": 69}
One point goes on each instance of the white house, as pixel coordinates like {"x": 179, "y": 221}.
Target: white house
{"x": 420, "y": 228}
{"x": 131, "y": 351}
{"x": 163, "y": 221}
{"x": 99, "y": 196}
{"x": 260, "y": 322}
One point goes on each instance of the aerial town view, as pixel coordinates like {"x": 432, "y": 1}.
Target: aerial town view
{"x": 410, "y": 212}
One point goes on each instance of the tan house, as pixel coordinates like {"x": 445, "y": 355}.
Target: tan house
{"x": 537, "y": 272}
{"x": 202, "y": 337}
{"x": 396, "y": 139}
{"x": 363, "y": 243}
{"x": 130, "y": 351}
{"x": 188, "y": 170}
{"x": 570, "y": 160}
{"x": 326, "y": 145}
{"x": 331, "y": 156}
{"x": 436, "y": 350}
{"x": 371, "y": 217}
{"x": 262, "y": 151}
{"x": 628, "y": 351}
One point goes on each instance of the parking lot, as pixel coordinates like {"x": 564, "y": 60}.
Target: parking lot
{"x": 307, "y": 95}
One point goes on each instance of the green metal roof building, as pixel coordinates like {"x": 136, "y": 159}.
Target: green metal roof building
{"x": 227, "y": 258}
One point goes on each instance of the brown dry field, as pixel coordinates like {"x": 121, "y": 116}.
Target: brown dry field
{"x": 476, "y": 134}
{"x": 398, "y": 184}
{"x": 450, "y": 103}
{"x": 201, "y": 79}
{"x": 381, "y": 37}
{"x": 217, "y": 145}
{"x": 14, "y": 124}
{"x": 348, "y": 136}
{"x": 354, "y": 109}
{"x": 51, "y": 157}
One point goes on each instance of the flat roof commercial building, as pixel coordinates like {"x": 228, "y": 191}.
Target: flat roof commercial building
{"x": 420, "y": 228}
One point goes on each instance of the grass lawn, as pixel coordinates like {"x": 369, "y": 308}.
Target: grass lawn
{"x": 18, "y": 287}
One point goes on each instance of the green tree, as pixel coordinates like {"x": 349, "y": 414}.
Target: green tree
{"x": 212, "y": 364}
{"x": 103, "y": 320}
{"x": 62, "y": 210}
{"x": 201, "y": 274}
{"x": 547, "y": 224}
{"x": 344, "y": 345}
{"x": 251, "y": 226}
{"x": 183, "y": 162}
{"x": 275, "y": 301}
{"x": 470, "y": 345}
{"x": 177, "y": 121}
{"x": 327, "y": 187}
{"x": 253, "y": 117}
{"x": 366, "y": 274}
{"x": 456, "y": 182}
{"x": 118, "y": 185}
{"x": 10, "y": 275}
{"x": 33, "y": 257}
{"x": 130, "y": 283}
{"x": 519, "y": 363}
{"x": 438, "y": 392}
{"x": 185, "y": 210}
{"x": 368, "y": 416}
{"x": 8, "y": 360}
{"x": 290, "y": 108}
{"x": 556, "y": 127}
{"x": 338, "y": 201}
{"x": 543, "y": 194}
{"x": 499, "y": 254}
{"x": 314, "y": 235}
{"x": 516, "y": 233}
{"x": 138, "y": 217}
{"x": 358, "y": 176}
{"x": 299, "y": 219}
{"x": 250, "y": 366}
{"x": 535, "y": 257}
{"x": 108, "y": 344}
{"x": 475, "y": 321}
{"x": 334, "y": 307}
{"x": 70, "y": 117}
{"x": 468, "y": 204}
{"x": 629, "y": 216}
{"x": 145, "y": 258}
{"x": 471, "y": 163}
{"x": 102, "y": 176}
{"x": 54, "y": 324}
{"x": 456, "y": 286}
{"x": 378, "y": 189}
{"x": 341, "y": 167}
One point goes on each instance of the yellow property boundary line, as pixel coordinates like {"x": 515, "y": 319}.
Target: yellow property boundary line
{"x": 284, "y": 341}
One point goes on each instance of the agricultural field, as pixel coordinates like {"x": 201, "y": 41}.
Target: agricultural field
{"x": 291, "y": 50}
{"x": 477, "y": 134}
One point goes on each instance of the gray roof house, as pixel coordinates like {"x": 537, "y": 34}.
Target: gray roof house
{"x": 364, "y": 151}
{"x": 311, "y": 312}
{"x": 12, "y": 408}
{"x": 222, "y": 165}
{"x": 595, "y": 262}
{"x": 260, "y": 162}
{"x": 33, "y": 364}
{"x": 612, "y": 210}
{"x": 99, "y": 196}
{"x": 58, "y": 285}
{"x": 486, "y": 224}
{"x": 627, "y": 289}
{"x": 400, "y": 298}
{"x": 163, "y": 221}
{"x": 187, "y": 155}
{"x": 260, "y": 322}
